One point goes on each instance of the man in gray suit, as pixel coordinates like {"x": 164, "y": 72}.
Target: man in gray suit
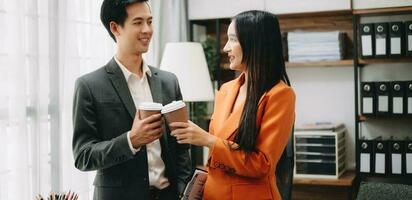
{"x": 134, "y": 158}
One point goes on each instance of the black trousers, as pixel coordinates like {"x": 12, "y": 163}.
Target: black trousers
{"x": 167, "y": 193}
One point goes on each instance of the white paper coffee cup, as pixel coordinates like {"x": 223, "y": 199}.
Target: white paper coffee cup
{"x": 146, "y": 109}
{"x": 175, "y": 112}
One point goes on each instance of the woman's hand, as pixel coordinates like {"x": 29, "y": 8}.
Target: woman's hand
{"x": 190, "y": 133}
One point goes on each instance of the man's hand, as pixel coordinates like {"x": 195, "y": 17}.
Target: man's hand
{"x": 146, "y": 130}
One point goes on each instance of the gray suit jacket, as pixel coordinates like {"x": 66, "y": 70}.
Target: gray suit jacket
{"x": 103, "y": 113}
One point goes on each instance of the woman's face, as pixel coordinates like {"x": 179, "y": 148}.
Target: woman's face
{"x": 234, "y": 50}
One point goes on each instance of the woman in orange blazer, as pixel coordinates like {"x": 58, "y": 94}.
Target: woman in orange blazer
{"x": 253, "y": 114}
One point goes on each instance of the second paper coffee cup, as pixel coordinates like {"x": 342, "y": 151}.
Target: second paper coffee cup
{"x": 146, "y": 109}
{"x": 175, "y": 112}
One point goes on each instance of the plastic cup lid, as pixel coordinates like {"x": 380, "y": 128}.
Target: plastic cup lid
{"x": 150, "y": 106}
{"x": 175, "y": 105}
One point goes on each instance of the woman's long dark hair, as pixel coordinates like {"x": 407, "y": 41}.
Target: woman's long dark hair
{"x": 259, "y": 35}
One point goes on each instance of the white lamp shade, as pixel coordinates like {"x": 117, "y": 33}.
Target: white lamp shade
{"x": 187, "y": 60}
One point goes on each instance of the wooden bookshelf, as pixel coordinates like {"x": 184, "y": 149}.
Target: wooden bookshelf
{"x": 343, "y": 188}
{"x": 406, "y": 118}
{"x": 321, "y": 22}
{"x": 315, "y": 14}
{"x": 345, "y": 180}
{"x": 369, "y": 61}
{"x": 348, "y": 63}
{"x": 337, "y": 63}
{"x": 362, "y": 118}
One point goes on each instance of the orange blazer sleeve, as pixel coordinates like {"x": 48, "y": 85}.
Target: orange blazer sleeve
{"x": 211, "y": 127}
{"x": 276, "y": 125}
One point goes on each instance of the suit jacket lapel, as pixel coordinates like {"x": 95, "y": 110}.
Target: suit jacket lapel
{"x": 155, "y": 85}
{"x": 156, "y": 90}
{"x": 119, "y": 82}
{"x": 230, "y": 121}
{"x": 227, "y": 123}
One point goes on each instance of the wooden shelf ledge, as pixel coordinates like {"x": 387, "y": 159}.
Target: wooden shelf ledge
{"x": 363, "y": 118}
{"x": 348, "y": 63}
{"x": 368, "y": 61}
{"x": 347, "y": 179}
{"x": 343, "y": 63}
{"x": 315, "y": 14}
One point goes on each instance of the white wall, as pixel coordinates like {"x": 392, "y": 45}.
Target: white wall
{"x": 211, "y": 9}
{"x": 326, "y": 94}
{"x": 369, "y": 4}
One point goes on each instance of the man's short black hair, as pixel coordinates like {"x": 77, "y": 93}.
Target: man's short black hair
{"x": 115, "y": 10}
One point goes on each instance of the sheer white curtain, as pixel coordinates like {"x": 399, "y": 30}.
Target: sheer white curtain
{"x": 84, "y": 45}
{"x": 170, "y": 25}
{"x": 24, "y": 99}
{"x": 44, "y": 46}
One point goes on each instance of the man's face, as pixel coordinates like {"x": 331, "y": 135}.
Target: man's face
{"x": 134, "y": 36}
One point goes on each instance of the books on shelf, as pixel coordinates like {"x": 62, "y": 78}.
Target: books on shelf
{"x": 316, "y": 46}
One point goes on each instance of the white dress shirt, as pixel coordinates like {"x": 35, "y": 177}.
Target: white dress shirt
{"x": 140, "y": 91}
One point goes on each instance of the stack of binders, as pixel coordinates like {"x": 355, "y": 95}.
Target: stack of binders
{"x": 321, "y": 46}
{"x": 386, "y": 98}
{"x": 385, "y": 157}
{"x": 386, "y": 39}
